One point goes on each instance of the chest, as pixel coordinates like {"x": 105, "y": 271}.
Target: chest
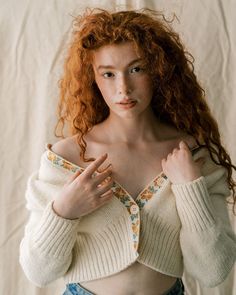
{"x": 134, "y": 168}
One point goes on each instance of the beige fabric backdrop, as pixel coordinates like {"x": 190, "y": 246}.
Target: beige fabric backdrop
{"x": 33, "y": 36}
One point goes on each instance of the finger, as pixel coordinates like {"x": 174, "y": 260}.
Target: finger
{"x": 104, "y": 199}
{"x": 88, "y": 172}
{"x": 163, "y": 165}
{"x": 169, "y": 155}
{"x": 104, "y": 188}
{"x": 73, "y": 177}
{"x": 175, "y": 151}
{"x": 183, "y": 145}
{"x": 107, "y": 194}
{"x": 104, "y": 176}
{"x": 163, "y": 161}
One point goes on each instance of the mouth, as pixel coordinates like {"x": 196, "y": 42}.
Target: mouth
{"x": 126, "y": 101}
{"x": 127, "y": 104}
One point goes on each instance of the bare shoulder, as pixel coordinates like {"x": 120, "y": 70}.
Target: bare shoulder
{"x": 177, "y": 136}
{"x": 66, "y": 148}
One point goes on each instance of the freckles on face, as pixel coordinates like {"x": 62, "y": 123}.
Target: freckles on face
{"x": 120, "y": 74}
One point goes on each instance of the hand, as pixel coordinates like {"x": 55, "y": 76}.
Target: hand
{"x": 179, "y": 165}
{"x": 83, "y": 193}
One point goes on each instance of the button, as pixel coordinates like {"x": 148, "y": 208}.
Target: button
{"x": 134, "y": 209}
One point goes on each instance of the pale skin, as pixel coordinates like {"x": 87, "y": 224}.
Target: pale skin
{"x": 119, "y": 74}
{"x": 179, "y": 166}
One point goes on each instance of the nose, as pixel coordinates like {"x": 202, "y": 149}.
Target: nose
{"x": 124, "y": 86}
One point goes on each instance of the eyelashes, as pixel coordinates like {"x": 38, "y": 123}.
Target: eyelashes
{"x": 133, "y": 70}
{"x": 137, "y": 69}
{"x": 108, "y": 75}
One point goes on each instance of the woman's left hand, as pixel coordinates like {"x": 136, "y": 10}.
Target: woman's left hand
{"x": 179, "y": 165}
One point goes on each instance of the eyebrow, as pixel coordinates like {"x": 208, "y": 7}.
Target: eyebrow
{"x": 112, "y": 67}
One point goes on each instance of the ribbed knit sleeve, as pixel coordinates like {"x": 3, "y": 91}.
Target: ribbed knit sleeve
{"x": 207, "y": 240}
{"x": 46, "y": 248}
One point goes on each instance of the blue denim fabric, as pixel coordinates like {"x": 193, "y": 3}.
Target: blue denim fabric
{"x": 77, "y": 289}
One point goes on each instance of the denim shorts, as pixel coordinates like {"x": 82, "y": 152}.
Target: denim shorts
{"x": 77, "y": 289}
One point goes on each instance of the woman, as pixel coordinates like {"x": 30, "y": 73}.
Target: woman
{"x": 133, "y": 104}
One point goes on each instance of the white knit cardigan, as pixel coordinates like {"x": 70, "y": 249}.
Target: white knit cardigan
{"x": 168, "y": 227}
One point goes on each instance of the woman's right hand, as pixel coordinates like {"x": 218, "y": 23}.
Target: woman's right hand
{"x": 83, "y": 193}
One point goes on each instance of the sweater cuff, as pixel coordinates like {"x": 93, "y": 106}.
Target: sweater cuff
{"x": 194, "y": 204}
{"x": 55, "y": 236}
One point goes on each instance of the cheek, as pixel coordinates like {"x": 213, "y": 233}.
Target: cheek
{"x": 101, "y": 86}
{"x": 149, "y": 82}
{"x": 105, "y": 90}
{"x": 147, "y": 86}
{"x": 145, "y": 80}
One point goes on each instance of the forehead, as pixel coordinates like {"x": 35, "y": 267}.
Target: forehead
{"x": 116, "y": 55}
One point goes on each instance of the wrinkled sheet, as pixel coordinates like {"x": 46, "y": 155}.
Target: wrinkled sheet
{"x": 33, "y": 38}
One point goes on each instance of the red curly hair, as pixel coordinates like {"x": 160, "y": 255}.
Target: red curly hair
{"x": 178, "y": 98}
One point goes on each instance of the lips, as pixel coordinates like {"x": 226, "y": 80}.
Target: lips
{"x": 127, "y": 105}
{"x": 126, "y": 101}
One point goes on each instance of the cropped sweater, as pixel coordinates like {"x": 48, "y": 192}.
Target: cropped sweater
{"x": 168, "y": 227}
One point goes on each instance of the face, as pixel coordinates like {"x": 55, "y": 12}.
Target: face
{"x": 124, "y": 82}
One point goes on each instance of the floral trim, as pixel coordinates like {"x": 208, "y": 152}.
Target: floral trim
{"x": 152, "y": 189}
{"x": 56, "y": 160}
{"x": 121, "y": 194}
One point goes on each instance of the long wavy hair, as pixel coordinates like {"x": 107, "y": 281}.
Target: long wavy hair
{"x": 178, "y": 99}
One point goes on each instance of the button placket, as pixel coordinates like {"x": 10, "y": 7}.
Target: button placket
{"x": 135, "y": 223}
{"x": 133, "y": 210}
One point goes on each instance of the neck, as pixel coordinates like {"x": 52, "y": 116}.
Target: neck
{"x": 133, "y": 129}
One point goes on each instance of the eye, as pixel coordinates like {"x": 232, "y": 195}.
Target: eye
{"x": 107, "y": 75}
{"x": 136, "y": 69}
